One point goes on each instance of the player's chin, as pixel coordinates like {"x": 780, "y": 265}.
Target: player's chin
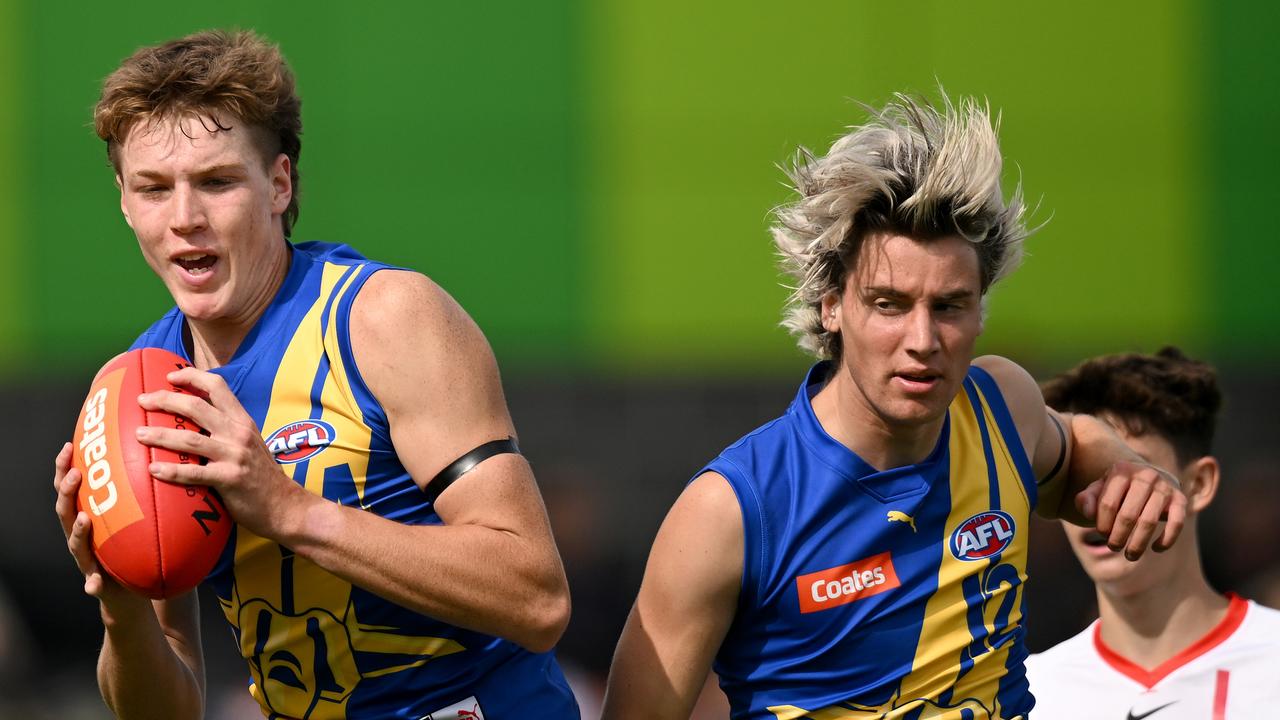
{"x": 199, "y": 306}
{"x": 1102, "y": 564}
{"x": 919, "y": 410}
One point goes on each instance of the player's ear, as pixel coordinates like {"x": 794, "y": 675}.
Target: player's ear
{"x": 830, "y": 309}
{"x": 124, "y": 209}
{"x": 281, "y": 184}
{"x": 1200, "y": 482}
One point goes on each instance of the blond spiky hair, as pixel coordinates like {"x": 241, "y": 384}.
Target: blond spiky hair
{"x": 912, "y": 169}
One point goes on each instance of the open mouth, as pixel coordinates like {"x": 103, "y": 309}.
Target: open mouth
{"x": 1093, "y": 538}
{"x": 918, "y": 382}
{"x": 196, "y": 263}
{"x": 918, "y": 378}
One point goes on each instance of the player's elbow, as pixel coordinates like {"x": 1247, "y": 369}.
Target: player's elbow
{"x": 547, "y": 617}
{"x": 137, "y": 695}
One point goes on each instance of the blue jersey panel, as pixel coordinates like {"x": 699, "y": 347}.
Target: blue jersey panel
{"x": 872, "y": 593}
{"x": 316, "y": 646}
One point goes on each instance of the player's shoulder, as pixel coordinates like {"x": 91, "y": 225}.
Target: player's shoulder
{"x": 1016, "y": 386}
{"x": 409, "y": 288}
{"x": 763, "y": 437}
{"x": 1008, "y": 387}
{"x": 1261, "y": 623}
{"x": 1262, "y": 612}
{"x": 414, "y": 345}
{"x": 1059, "y": 676}
{"x": 395, "y": 305}
{"x": 1077, "y": 651}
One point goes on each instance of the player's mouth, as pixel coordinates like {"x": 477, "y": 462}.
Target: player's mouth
{"x": 1093, "y": 538}
{"x": 917, "y": 380}
{"x": 1096, "y": 542}
{"x": 195, "y": 266}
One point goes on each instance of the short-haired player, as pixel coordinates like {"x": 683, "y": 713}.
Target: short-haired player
{"x": 1165, "y": 645}
{"x": 392, "y": 557}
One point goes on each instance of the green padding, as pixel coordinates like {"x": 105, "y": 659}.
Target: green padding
{"x": 14, "y": 232}
{"x": 592, "y": 181}
{"x": 1240, "y": 235}
{"x": 438, "y": 136}
{"x": 696, "y": 102}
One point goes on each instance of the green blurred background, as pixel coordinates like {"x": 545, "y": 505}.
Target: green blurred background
{"x": 593, "y": 181}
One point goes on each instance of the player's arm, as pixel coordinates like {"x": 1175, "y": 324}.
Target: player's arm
{"x": 151, "y": 664}
{"x": 685, "y": 606}
{"x": 1086, "y": 474}
{"x": 492, "y": 566}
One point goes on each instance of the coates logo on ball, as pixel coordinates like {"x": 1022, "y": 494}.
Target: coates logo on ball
{"x": 298, "y": 441}
{"x": 982, "y": 536}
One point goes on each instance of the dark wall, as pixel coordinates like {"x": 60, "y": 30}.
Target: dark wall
{"x": 610, "y": 455}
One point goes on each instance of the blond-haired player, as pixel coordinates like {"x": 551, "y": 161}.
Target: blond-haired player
{"x": 863, "y": 555}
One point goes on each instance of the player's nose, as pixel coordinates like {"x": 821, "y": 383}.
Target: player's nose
{"x": 921, "y": 332}
{"x": 188, "y": 215}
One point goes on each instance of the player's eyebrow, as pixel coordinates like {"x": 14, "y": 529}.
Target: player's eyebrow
{"x": 882, "y": 291}
{"x": 225, "y": 167}
{"x": 894, "y": 294}
{"x": 964, "y": 294}
{"x": 203, "y": 172}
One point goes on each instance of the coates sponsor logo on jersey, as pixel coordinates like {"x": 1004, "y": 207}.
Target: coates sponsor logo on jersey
{"x": 982, "y": 536}
{"x": 842, "y": 585}
{"x": 298, "y": 441}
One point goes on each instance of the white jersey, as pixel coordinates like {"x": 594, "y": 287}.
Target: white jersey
{"x": 1232, "y": 673}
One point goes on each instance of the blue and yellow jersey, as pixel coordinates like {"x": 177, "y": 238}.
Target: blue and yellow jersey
{"x": 887, "y": 595}
{"x": 319, "y": 648}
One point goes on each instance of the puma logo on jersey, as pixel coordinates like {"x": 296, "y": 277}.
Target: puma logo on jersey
{"x": 899, "y": 516}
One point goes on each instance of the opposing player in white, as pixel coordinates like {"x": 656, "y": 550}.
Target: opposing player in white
{"x": 1166, "y": 645}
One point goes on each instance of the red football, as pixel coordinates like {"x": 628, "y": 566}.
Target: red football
{"x": 157, "y": 538}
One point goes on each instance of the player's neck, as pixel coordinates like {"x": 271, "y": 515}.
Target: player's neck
{"x": 848, "y": 417}
{"x": 1151, "y": 626}
{"x": 213, "y": 343}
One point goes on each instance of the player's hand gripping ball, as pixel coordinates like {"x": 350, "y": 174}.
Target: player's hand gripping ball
{"x": 156, "y": 538}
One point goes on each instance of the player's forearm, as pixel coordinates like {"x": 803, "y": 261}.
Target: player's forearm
{"x": 1095, "y": 448}
{"x": 649, "y": 683}
{"x": 140, "y": 672}
{"x": 486, "y": 579}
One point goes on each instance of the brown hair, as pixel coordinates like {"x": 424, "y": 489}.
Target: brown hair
{"x": 218, "y": 76}
{"x": 1166, "y": 394}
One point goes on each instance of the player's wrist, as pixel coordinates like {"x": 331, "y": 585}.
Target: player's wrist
{"x": 302, "y": 520}
{"x": 122, "y": 610}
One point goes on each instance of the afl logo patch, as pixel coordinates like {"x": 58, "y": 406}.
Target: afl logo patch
{"x": 982, "y": 536}
{"x": 298, "y": 441}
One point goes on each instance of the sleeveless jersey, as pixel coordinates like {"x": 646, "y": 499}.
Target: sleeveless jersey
{"x": 888, "y": 595}
{"x": 319, "y": 648}
{"x": 1232, "y": 673}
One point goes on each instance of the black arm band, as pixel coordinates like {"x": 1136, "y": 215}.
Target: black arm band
{"x": 466, "y": 463}
{"x": 1062, "y": 452}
